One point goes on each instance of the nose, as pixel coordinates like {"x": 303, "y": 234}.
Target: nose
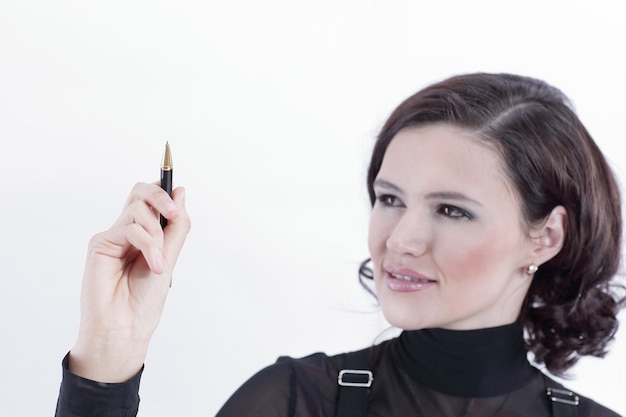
{"x": 409, "y": 237}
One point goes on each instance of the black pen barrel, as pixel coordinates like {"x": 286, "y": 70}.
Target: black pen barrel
{"x": 167, "y": 172}
{"x": 166, "y": 184}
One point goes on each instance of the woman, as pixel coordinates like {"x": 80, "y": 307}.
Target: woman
{"x": 495, "y": 231}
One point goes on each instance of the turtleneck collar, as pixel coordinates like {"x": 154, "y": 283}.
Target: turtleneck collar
{"x": 466, "y": 363}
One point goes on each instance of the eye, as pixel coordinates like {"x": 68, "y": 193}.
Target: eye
{"x": 388, "y": 200}
{"x": 453, "y": 212}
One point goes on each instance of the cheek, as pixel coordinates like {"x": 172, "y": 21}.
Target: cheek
{"x": 471, "y": 260}
{"x": 375, "y": 241}
{"x": 466, "y": 262}
{"x": 380, "y": 228}
{"x": 377, "y": 245}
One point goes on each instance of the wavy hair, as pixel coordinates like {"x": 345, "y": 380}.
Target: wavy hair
{"x": 571, "y": 306}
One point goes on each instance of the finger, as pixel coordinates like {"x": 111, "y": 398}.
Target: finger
{"x": 141, "y": 213}
{"x": 177, "y": 229}
{"x": 118, "y": 241}
{"x": 150, "y": 246}
{"x": 155, "y": 197}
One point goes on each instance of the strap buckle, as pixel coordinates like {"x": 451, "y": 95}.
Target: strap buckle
{"x": 562, "y": 396}
{"x": 355, "y": 378}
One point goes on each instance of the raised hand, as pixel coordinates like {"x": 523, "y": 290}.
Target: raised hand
{"x": 127, "y": 277}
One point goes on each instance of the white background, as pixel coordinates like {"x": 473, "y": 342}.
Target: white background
{"x": 271, "y": 108}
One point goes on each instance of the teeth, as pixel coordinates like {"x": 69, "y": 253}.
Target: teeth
{"x": 405, "y": 278}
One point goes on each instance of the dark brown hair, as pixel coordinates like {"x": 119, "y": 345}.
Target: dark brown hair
{"x": 550, "y": 158}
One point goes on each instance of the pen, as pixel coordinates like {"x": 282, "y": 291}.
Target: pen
{"x": 167, "y": 170}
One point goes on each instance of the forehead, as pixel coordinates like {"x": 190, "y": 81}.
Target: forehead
{"x": 444, "y": 156}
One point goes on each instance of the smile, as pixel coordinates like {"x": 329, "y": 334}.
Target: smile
{"x": 410, "y": 279}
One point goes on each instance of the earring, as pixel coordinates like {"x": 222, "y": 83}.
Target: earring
{"x": 532, "y": 268}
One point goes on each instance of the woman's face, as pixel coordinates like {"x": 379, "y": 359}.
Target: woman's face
{"x": 446, "y": 237}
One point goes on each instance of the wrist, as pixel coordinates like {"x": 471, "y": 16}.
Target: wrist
{"x": 107, "y": 358}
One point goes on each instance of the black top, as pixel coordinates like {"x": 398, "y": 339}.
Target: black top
{"x": 484, "y": 363}
{"x": 424, "y": 373}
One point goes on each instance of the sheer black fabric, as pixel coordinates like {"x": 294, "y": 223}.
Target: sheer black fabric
{"x": 80, "y": 397}
{"x": 308, "y": 388}
{"x": 427, "y": 373}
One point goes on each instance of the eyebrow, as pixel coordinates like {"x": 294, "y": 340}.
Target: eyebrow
{"x": 452, "y": 195}
{"x": 386, "y": 184}
{"x": 446, "y": 195}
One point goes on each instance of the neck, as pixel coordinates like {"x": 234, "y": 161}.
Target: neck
{"x": 466, "y": 363}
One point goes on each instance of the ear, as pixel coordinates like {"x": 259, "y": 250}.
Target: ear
{"x": 549, "y": 238}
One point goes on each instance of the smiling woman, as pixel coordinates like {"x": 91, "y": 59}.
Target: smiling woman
{"x": 524, "y": 134}
{"x": 495, "y": 231}
{"x": 452, "y": 212}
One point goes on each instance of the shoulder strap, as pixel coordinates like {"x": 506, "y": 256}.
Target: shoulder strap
{"x": 563, "y": 401}
{"x": 354, "y": 385}
{"x": 356, "y": 379}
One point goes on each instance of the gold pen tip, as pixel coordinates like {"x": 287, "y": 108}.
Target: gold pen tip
{"x": 167, "y": 157}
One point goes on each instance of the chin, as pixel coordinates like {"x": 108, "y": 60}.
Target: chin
{"x": 406, "y": 320}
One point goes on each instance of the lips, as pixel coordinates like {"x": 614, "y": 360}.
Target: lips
{"x": 410, "y": 279}
{"x": 406, "y": 274}
{"x": 404, "y": 280}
